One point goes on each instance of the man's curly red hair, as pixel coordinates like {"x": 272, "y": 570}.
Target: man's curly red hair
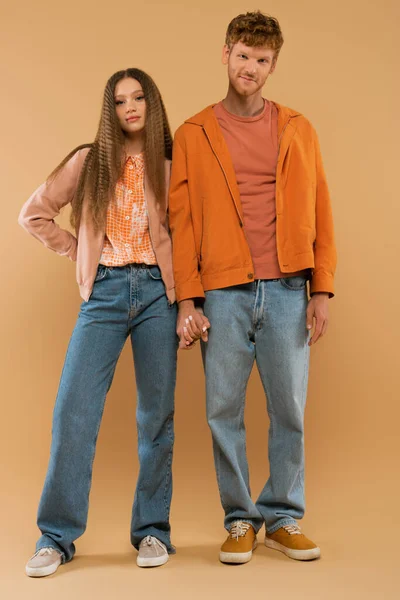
{"x": 255, "y": 29}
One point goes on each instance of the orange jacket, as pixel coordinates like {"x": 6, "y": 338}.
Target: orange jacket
{"x": 210, "y": 250}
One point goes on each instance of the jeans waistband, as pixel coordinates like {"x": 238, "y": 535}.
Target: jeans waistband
{"x": 129, "y": 265}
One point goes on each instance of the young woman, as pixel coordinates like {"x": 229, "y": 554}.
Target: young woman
{"x": 117, "y": 187}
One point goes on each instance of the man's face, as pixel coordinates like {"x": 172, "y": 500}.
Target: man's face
{"x": 248, "y": 67}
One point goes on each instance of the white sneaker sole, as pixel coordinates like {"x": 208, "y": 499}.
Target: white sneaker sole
{"x": 237, "y": 558}
{"x": 42, "y": 571}
{"x": 311, "y": 554}
{"x": 157, "y": 561}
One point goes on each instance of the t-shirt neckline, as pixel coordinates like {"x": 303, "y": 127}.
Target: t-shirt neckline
{"x": 246, "y": 119}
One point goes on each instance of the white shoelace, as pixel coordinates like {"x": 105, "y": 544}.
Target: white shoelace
{"x": 292, "y": 529}
{"x": 239, "y": 529}
{"x": 44, "y": 551}
{"x": 150, "y": 540}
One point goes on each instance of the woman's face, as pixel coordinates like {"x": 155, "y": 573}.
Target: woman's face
{"x": 130, "y": 105}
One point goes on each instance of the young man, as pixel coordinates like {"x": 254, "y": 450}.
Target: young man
{"x": 251, "y": 223}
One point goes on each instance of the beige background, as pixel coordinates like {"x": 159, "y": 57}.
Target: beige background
{"x": 337, "y": 66}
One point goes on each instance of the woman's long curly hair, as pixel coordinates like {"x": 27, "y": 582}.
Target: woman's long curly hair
{"x": 104, "y": 163}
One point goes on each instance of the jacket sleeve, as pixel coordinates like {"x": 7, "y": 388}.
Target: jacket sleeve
{"x": 186, "y": 266}
{"x": 324, "y": 245}
{"x": 38, "y": 212}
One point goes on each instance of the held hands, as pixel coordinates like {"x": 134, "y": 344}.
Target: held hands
{"x": 318, "y": 309}
{"x": 191, "y": 325}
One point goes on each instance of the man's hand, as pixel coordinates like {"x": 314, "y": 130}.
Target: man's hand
{"x": 191, "y": 325}
{"x": 318, "y": 309}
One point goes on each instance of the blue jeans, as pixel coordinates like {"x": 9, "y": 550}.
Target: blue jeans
{"x": 126, "y": 301}
{"x": 263, "y": 321}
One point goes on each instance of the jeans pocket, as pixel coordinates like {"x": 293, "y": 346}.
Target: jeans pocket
{"x": 296, "y": 283}
{"x": 154, "y": 272}
{"x": 102, "y": 271}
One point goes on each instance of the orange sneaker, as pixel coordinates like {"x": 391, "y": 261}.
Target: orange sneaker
{"x": 240, "y": 543}
{"x": 289, "y": 540}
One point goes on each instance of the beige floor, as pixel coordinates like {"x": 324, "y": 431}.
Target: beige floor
{"x": 104, "y": 566}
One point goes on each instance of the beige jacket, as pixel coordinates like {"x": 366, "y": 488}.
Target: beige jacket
{"x": 38, "y": 213}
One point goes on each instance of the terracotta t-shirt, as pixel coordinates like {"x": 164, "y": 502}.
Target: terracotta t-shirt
{"x": 253, "y": 145}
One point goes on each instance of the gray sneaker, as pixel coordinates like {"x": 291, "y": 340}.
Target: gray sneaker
{"x": 152, "y": 552}
{"x": 44, "y": 562}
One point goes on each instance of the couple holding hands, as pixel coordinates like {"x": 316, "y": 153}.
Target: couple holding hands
{"x": 217, "y": 245}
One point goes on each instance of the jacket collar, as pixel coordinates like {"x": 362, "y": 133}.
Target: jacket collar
{"x": 206, "y": 118}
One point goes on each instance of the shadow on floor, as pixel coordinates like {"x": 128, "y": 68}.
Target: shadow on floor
{"x": 201, "y": 555}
